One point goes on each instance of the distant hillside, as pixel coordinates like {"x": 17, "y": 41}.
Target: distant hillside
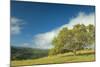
{"x": 21, "y": 53}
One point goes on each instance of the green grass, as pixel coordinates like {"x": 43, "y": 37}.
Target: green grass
{"x": 61, "y": 58}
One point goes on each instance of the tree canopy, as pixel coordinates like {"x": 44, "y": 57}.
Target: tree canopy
{"x": 79, "y": 37}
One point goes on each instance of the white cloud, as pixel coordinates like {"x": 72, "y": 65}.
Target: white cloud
{"x": 16, "y": 25}
{"x": 82, "y": 18}
{"x": 43, "y": 40}
{"x": 24, "y": 45}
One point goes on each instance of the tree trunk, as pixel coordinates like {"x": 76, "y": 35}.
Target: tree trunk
{"x": 74, "y": 52}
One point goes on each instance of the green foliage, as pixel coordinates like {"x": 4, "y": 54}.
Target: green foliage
{"x": 58, "y": 42}
{"x": 77, "y": 38}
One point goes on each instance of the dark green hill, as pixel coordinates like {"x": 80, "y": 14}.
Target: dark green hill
{"x": 21, "y": 53}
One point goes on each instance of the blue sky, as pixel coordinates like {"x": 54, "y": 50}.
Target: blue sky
{"x": 28, "y": 19}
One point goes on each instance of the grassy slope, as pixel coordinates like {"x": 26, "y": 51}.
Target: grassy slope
{"x": 61, "y": 58}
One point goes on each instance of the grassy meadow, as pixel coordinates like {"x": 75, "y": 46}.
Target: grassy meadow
{"x": 82, "y": 56}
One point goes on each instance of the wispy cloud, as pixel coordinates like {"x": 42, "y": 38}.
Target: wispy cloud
{"x": 44, "y": 40}
{"x": 16, "y": 25}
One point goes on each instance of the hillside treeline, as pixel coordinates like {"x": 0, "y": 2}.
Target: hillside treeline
{"x": 22, "y": 53}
